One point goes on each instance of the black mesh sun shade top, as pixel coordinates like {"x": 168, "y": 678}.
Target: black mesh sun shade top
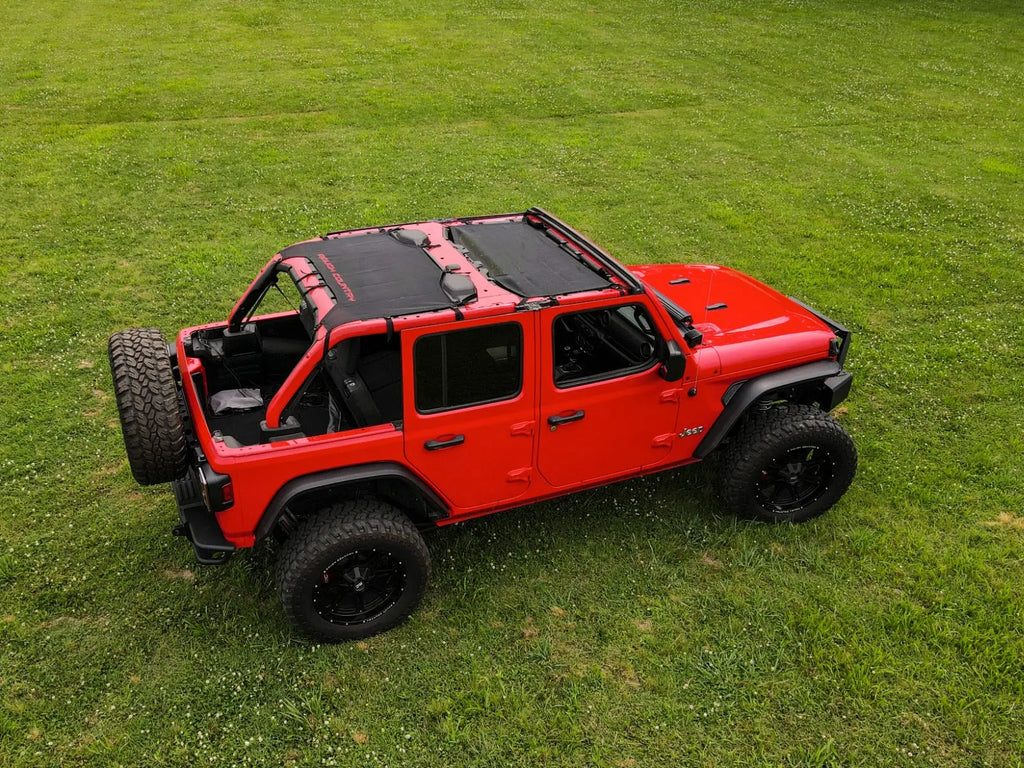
{"x": 525, "y": 260}
{"x": 374, "y": 275}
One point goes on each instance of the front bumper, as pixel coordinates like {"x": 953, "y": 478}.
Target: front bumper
{"x": 836, "y": 389}
{"x": 198, "y": 523}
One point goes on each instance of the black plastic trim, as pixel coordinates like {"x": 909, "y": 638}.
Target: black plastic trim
{"x": 198, "y": 524}
{"x": 437, "y": 445}
{"x": 288, "y": 429}
{"x": 735, "y": 387}
{"x": 292, "y": 491}
{"x": 214, "y": 483}
{"x": 839, "y": 387}
{"x": 682, "y": 319}
{"x": 828, "y": 372}
{"x": 556, "y": 420}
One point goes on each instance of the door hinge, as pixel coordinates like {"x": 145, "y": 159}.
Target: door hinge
{"x": 523, "y": 428}
{"x": 521, "y": 475}
{"x": 670, "y": 396}
{"x": 663, "y": 441}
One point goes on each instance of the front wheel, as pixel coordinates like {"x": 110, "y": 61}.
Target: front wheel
{"x": 790, "y": 463}
{"x": 352, "y": 570}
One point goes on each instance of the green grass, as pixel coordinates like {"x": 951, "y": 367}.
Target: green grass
{"x": 867, "y": 157}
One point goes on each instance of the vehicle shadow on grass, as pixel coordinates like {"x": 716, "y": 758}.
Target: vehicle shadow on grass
{"x": 550, "y": 544}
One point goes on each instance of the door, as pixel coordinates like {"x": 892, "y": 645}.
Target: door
{"x": 605, "y": 410}
{"x": 470, "y": 408}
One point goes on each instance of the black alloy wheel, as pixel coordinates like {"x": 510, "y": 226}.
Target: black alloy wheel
{"x": 352, "y": 570}
{"x": 789, "y": 463}
{"x": 795, "y": 479}
{"x": 359, "y": 586}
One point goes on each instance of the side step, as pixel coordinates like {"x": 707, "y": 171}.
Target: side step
{"x": 198, "y": 524}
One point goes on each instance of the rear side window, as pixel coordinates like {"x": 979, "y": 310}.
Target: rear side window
{"x": 468, "y": 367}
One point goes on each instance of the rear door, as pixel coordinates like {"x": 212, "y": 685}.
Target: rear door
{"x": 470, "y": 408}
{"x": 605, "y": 410}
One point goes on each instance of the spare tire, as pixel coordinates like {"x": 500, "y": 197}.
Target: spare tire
{"x": 147, "y": 402}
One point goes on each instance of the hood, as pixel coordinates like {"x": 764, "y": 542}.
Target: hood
{"x": 748, "y": 323}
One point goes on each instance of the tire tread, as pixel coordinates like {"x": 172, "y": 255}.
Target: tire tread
{"x": 147, "y": 405}
{"x": 335, "y": 528}
{"x": 763, "y": 433}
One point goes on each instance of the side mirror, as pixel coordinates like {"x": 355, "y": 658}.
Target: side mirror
{"x": 674, "y": 364}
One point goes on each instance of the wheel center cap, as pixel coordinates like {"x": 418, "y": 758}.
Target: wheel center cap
{"x": 357, "y": 579}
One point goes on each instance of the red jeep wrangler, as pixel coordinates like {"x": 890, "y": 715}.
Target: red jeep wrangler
{"x": 423, "y": 374}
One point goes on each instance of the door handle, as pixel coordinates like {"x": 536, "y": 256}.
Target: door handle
{"x": 435, "y": 445}
{"x": 554, "y": 421}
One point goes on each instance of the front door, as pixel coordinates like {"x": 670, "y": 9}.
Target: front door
{"x": 605, "y": 410}
{"x": 469, "y": 408}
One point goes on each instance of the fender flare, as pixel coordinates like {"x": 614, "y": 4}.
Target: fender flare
{"x": 833, "y": 381}
{"x": 431, "y": 505}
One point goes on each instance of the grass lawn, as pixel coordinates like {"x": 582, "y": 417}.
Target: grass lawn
{"x": 866, "y": 157}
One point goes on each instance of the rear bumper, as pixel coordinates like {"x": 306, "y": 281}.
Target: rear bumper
{"x": 199, "y": 493}
{"x": 198, "y": 523}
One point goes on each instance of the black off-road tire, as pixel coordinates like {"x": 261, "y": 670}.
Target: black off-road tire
{"x": 147, "y": 403}
{"x": 352, "y": 570}
{"x": 789, "y": 463}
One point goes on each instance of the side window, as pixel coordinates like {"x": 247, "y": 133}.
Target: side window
{"x": 603, "y": 343}
{"x": 468, "y": 367}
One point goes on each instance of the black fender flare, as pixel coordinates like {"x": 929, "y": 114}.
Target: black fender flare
{"x": 430, "y": 505}
{"x": 834, "y": 385}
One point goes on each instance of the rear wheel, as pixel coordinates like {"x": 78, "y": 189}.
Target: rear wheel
{"x": 147, "y": 404}
{"x": 352, "y": 570}
{"x": 790, "y": 463}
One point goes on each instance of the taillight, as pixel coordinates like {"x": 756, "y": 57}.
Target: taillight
{"x": 218, "y": 492}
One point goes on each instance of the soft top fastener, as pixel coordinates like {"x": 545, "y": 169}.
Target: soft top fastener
{"x": 411, "y": 236}
{"x": 459, "y": 288}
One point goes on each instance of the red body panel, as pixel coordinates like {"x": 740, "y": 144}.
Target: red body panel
{"x": 493, "y": 463}
{"x": 751, "y": 326}
{"x": 628, "y": 422}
